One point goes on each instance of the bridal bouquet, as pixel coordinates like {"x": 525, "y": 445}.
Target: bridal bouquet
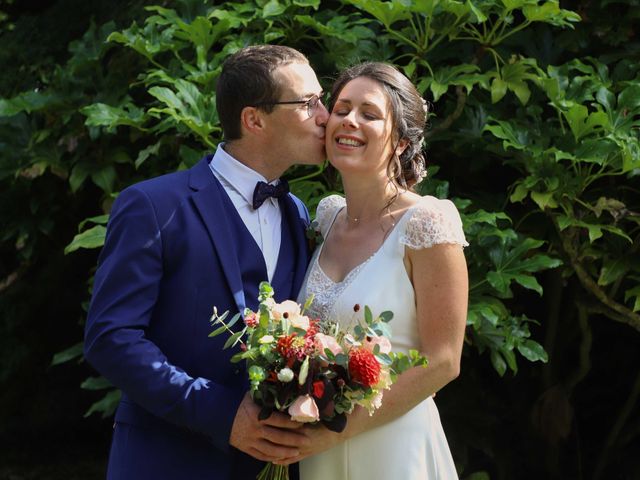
{"x": 314, "y": 371}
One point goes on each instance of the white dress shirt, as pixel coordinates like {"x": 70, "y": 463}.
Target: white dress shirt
{"x": 264, "y": 224}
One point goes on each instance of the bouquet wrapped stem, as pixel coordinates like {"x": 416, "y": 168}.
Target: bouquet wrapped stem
{"x": 316, "y": 372}
{"x": 271, "y": 471}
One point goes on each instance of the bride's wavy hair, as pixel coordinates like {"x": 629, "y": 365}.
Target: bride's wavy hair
{"x": 409, "y": 118}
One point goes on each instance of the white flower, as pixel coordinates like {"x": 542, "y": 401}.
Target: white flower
{"x": 385, "y": 379}
{"x": 373, "y": 403}
{"x": 266, "y": 339}
{"x": 299, "y": 321}
{"x": 285, "y": 375}
{"x": 289, "y": 307}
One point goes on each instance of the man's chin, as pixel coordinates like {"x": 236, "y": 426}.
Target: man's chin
{"x": 315, "y": 161}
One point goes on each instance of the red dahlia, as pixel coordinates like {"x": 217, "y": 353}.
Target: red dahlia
{"x": 363, "y": 367}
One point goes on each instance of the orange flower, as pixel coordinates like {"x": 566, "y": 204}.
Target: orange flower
{"x": 363, "y": 367}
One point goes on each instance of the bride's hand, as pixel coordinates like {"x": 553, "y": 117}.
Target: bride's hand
{"x": 319, "y": 437}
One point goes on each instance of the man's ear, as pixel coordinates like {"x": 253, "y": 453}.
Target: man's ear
{"x": 252, "y": 120}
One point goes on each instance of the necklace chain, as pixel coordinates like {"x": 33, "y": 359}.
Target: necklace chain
{"x": 352, "y": 219}
{"x": 356, "y": 220}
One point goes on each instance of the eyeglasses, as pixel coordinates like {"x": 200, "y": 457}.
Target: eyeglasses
{"x": 311, "y": 104}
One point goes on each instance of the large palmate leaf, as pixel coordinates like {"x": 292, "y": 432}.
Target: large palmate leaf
{"x": 102, "y": 115}
{"x": 514, "y": 263}
{"x": 388, "y": 12}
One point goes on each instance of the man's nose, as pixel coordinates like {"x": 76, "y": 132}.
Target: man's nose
{"x": 322, "y": 115}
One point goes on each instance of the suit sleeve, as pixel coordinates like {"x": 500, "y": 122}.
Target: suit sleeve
{"x": 124, "y": 296}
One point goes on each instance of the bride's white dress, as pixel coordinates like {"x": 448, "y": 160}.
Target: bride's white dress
{"x": 414, "y": 446}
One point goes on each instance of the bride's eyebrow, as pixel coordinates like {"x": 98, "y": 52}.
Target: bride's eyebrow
{"x": 349, "y": 102}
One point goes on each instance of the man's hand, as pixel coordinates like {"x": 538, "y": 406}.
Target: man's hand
{"x": 271, "y": 440}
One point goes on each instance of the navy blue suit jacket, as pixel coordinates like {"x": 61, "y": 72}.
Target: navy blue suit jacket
{"x": 169, "y": 257}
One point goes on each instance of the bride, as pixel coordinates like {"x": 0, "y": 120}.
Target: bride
{"x": 391, "y": 249}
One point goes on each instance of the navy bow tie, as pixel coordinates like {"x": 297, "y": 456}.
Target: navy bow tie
{"x": 265, "y": 190}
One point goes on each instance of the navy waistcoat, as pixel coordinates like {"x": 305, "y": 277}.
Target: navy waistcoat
{"x": 253, "y": 269}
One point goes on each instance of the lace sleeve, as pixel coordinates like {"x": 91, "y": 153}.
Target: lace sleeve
{"x": 326, "y": 211}
{"x": 433, "y": 222}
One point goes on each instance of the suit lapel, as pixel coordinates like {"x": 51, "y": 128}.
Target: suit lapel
{"x": 300, "y": 251}
{"x": 210, "y": 204}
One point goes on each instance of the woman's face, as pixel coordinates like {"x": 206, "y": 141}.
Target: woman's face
{"x": 359, "y": 130}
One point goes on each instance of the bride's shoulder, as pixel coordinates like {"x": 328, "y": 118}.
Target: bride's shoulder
{"x": 433, "y": 221}
{"x": 332, "y": 202}
{"x": 327, "y": 209}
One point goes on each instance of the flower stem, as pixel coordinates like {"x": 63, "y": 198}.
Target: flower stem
{"x": 274, "y": 472}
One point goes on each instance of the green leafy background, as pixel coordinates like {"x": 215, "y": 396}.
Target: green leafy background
{"x": 534, "y": 134}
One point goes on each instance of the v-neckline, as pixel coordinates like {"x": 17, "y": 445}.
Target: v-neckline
{"x": 365, "y": 261}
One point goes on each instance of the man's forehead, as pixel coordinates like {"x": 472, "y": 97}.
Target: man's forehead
{"x": 298, "y": 78}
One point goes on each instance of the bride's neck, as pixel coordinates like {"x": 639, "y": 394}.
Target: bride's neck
{"x": 368, "y": 202}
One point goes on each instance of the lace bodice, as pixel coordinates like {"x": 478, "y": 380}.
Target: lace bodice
{"x": 429, "y": 222}
{"x": 325, "y": 290}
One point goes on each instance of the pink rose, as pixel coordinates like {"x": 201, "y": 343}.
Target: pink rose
{"x": 326, "y": 341}
{"x": 371, "y": 342}
{"x": 304, "y": 410}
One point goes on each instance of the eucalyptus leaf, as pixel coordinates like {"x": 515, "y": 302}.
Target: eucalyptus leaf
{"x": 233, "y": 339}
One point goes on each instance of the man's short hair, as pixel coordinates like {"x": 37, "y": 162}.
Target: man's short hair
{"x": 247, "y": 80}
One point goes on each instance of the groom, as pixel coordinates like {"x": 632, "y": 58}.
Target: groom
{"x": 180, "y": 244}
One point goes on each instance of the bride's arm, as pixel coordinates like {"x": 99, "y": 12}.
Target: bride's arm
{"x": 439, "y": 277}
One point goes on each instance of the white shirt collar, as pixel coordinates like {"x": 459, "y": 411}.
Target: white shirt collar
{"x": 240, "y": 177}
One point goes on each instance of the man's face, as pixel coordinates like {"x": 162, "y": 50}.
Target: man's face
{"x": 295, "y": 137}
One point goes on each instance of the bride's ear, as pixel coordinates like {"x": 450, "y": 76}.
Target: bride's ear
{"x": 401, "y": 146}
